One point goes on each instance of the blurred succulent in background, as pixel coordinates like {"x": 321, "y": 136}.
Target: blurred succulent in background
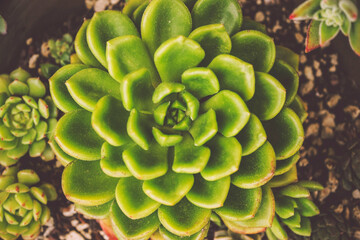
{"x": 330, "y": 226}
{"x": 48, "y": 69}
{"x": 3, "y": 26}
{"x": 194, "y": 117}
{"x": 351, "y": 169}
{"x": 293, "y": 209}
{"x": 23, "y": 202}
{"x": 27, "y": 118}
{"x": 61, "y": 49}
{"x": 328, "y": 18}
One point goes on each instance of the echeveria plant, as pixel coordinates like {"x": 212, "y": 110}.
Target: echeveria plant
{"x": 23, "y": 202}
{"x": 193, "y": 118}
{"x": 27, "y": 118}
{"x": 61, "y": 49}
{"x": 329, "y": 17}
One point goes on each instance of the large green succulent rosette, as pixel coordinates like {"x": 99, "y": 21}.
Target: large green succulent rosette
{"x": 27, "y": 118}
{"x": 186, "y": 122}
{"x": 23, "y": 201}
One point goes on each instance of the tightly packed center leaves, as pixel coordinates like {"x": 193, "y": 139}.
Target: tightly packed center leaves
{"x": 188, "y": 120}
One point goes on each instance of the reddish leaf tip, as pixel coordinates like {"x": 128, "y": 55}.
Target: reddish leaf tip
{"x": 292, "y": 16}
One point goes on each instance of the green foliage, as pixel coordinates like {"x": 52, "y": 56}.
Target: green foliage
{"x": 3, "y": 25}
{"x": 329, "y": 17}
{"x": 293, "y": 209}
{"x": 61, "y": 49}
{"x": 28, "y": 118}
{"x": 23, "y": 202}
{"x": 162, "y": 131}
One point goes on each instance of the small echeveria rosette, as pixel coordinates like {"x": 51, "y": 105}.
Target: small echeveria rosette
{"x": 191, "y": 120}
{"x": 328, "y": 18}
{"x": 293, "y": 207}
{"x": 27, "y": 118}
{"x": 23, "y": 203}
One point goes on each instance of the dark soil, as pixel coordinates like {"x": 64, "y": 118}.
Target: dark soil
{"x": 333, "y": 125}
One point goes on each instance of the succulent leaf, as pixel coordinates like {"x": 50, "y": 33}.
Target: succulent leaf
{"x": 146, "y": 164}
{"x": 306, "y": 10}
{"x": 288, "y": 77}
{"x": 213, "y": 39}
{"x": 227, "y": 68}
{"x": 327, "y": 33}
{"x": 209, "y": 194}
{"x": 170, "y": 188}
{"x": 82, "y": 48}
{"x": 199, "y": 235}
{"x": 163, "y": 20}
{"x": 184, "y": 218}
{"x": 99, "y": 211}
{"x": 227, "y": 12}
{"x": 112, "y": 162}
{"x": 120, "y": 50}
{"x": 229, "y": 124}
{"x": 264, "y": 215}
{"x": 105, "y": 119}
{"x": 263, "y": 160}
{"x": 286, "y": 164}
{"x": 241, "y": 204}
{"x": 91, "y": 188}
{"x": 269, "y": 97}
{"x": 255, "y": 48}
{"x": 284, "y": 179}
{"x": 349, "y": 8}
{"x": 83, "y": 82}
{"x": 58, "y": 89}
{"x": 68, "y": 132}
{"x": 132, "y": 200}
{"x": 285, "y": 133}
{"x": 200, "y": 82}
{"x": 175, "y": 56}
{"x": 127, "y": 228}
{"x": 354, "y": 36}
{"x": 104, "y": 27}
{"x": 3, "y": 25}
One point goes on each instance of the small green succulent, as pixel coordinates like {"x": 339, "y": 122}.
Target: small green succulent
{"x": 27, "y": 118}
{"x": 62, "y": 49}
{"x": 23, "y": 202}
{"x": 293, "y": 209}
{"x": 194, "y": 117}
{"x": 329, "y": 17}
